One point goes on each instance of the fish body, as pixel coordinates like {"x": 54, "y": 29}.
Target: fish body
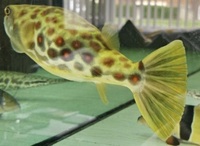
{"x": 16, "y": 80}
{"x": 68, "y": 46}
{"x": 188, "y": 129}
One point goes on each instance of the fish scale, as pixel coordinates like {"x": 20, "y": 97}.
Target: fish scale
{"x": 66, "y": 45}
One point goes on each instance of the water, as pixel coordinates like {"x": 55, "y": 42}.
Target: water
{"x": 65, "y": 108}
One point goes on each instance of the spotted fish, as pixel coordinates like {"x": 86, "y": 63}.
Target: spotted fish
{"x": 16, "y": 80}
{"x": 66, "y": 45}
{"x": 188, "y": 129}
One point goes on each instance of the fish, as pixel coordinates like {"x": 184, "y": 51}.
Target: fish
{"x": 10, "y": 80}
{"x": 68, "y": 46}
{"x": 188, "y": 129}
{"x": 7, "y": 102}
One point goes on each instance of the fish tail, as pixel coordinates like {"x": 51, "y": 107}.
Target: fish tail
{"x": 161, "y": 96}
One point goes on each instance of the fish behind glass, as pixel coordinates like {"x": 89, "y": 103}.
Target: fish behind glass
{"x": 16, "y": 80}
{"x": 188, "y": 129}
{"x": 66, "y": 45}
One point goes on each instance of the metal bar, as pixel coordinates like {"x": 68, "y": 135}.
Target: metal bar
{"x": 195, "y": 6}
{"x": 112, "y": 11}
{"x": 66, "y": 4}
{"x": 74, "y": 5}
{"x": 127, "y": 9}
{"x": 120, "y": 5}
{"x": 162, "y": 15}
{"x": 107, "y": 11}
{"x": 171, "y": 13}
{"x": 178, "y": 14}
{"x": 81, "y": 12}
{"x": 134, "y": 11}
{"x": 88, "y": 10}
{"x": 148, "y": 13}
{"x": 93, "y": 12}
{"x": 155, "y": 14}
{"x": 141, "y": 13}
{"x": 186, "y": 14}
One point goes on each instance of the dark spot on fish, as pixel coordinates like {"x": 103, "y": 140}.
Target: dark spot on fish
{"x": 66, "y": 54}
{"x": 38, "y": 25}
{"x": 134, "y": 78}
{"x": 87, "y": 57}
{"x": 78, "y": 66}
{"x": 127, "y": 65}
{"x": 59, "y": 41}
{"x": 86, "y": 36}
{"x": 33, "y": 16}
{"x": 51, "y": 19}
{"x": 50, "y": 31}
{"x": 36, "y": 11}
{"x": 108, "y": 62}
{"x": 96, "y": 71}
{"x": 63, "y": 67}
{"x": 72, "y": 31}
{"x": 6, "y": 80}
{"x": 123, "y": 59}
{"x": 15, "y": 81}
{"x": 119, "y": 76}
{"x": 40, "y": 40}
{"x": 31, "y": 45}
{"x": 22, "y": 13}
{"x": 95, "y": 46}
{"x": 61, "y": 26}
{"x": 52, "y": 53}
{"x": 76, "y": 44}
{"x": 141, "y": 66}
{"x": 45, "y": 12}
{"x": 99, "y": 37}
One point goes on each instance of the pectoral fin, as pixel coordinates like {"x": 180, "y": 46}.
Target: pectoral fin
{"x": 7, "y": 102}
{"x": 102, "y": 94}
{"x": 15, "y": 47}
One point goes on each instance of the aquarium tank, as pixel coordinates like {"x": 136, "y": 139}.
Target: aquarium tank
{"x": 98, "y": 72}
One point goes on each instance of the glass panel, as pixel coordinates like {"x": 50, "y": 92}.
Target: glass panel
{"x": 58, "y": 108}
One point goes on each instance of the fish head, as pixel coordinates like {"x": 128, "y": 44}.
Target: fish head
{"x": 17, "y": 27}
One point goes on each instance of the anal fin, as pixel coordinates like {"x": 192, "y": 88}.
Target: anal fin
{"x": 102, "y": 94}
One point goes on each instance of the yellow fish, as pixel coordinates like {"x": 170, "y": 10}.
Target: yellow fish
{"x": 188, "y": 129}
{"x": 68, "y": 46}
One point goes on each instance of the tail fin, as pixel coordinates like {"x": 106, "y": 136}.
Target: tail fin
{"x": 161, "y": 100}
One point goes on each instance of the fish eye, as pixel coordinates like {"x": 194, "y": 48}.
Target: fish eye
{"x": 7, "y": 11}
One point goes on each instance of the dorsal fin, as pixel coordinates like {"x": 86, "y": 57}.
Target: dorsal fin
{"x": 110, "y": 33}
